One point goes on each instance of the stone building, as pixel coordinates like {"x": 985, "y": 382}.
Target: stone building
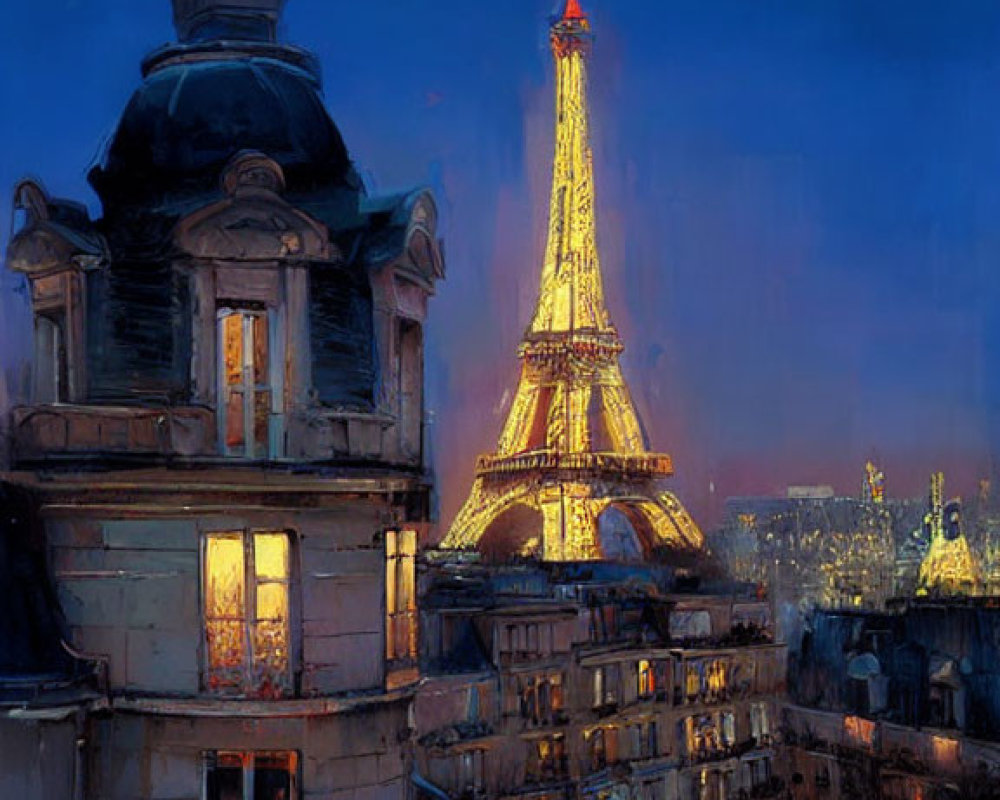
{"x": 219, "y": 476}
{"x": 595, "y": 680}
{"x": 814, "y": 549}
{"x": 896, "y": 705}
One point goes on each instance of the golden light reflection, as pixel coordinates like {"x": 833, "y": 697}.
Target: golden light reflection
{"x": 225, "y": 609}
{"x": 859, "y": 730}
{"x": 945, "y": 751}
{"x": 717, "y": 678}
{"x": 401, "y": 595}
{"x": 271, "y": 555}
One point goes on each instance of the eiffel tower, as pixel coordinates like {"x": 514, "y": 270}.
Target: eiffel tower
{"x": 572, "y": 447}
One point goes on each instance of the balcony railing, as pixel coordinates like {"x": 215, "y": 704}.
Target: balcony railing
{"x": 71, "y": 430}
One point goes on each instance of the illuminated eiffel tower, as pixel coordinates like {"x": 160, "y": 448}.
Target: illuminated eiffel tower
{"x": 572, "y": 447}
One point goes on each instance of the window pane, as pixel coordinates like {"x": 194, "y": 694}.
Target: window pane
{"x": 273, "y": 776}
{"x": 271, "y": 647}
{"x": 224, "y": 577}
{"x": 260, "y": 350}
{"x": 225, "y": 778}
{"x": 408, "y": 543}
{"x": 234, "y": 419}
{"x": 226, "y": 653}
{"x": 232, "y": 346}
{"x": 271, "y": 556}
{"x": 225, "y": 610}
{"x": 406, "y": 597}
{"x": 272, "y": 602}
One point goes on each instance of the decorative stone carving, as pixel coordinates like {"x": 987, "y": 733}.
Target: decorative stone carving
{"x": 253, "y": 223}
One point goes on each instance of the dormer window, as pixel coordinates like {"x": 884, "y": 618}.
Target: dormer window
{"x": 246, "y": 389}
{"x": 51, "y": 372}
{"x": 411, "y": 377}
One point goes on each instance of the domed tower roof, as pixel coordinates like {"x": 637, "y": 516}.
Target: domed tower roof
{"x": 226, "y": 87}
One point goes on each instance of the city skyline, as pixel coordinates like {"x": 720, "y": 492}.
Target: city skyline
{"x": 771, "y": 285}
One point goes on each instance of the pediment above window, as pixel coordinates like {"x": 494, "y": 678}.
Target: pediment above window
{"x": 50, "y": 235}
{"x": 253, "y": 223}
{"x": 402, "y": 234}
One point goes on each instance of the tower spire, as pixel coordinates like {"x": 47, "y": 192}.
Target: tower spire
{"x": 573, "y": 10}
{"x": 572, "y": 446}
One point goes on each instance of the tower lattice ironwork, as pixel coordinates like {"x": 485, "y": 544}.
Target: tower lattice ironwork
{"x": 572, "y": 446}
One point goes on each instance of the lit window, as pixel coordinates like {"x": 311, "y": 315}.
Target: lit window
{"x": 246, "y": 586}
{"x": 692, "y": 682}
{"x": 647, "y": 679}
{"x": 556, "y": 682}
{"x": 546, "y": 759}
{"x": 246, "y": 396}
{"x": 251, "y": 776}
{"x": 541, "y": 696}
{"x": 716, "y": 680}
{"x": 400, "y": 590}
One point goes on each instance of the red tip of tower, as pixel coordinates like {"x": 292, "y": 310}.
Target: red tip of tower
{"x": 573, "y": 10}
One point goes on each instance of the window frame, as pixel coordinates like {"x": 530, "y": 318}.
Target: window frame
{"x": 50, "y": 386}
{"x": 410, "y": 386}
{"x": 401, "y": 608}
{"x": 251, "y": 449}
{"x": 248, "y": 759}
{"x": 250, "y": 622}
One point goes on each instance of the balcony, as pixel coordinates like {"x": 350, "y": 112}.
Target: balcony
{"x": 62, "y": 431}
{"x": 54, "y": 432}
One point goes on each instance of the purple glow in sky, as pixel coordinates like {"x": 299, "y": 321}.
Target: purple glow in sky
{"x": 799, "y": 209}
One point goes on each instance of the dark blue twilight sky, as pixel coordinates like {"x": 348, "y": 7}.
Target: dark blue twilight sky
{"x": 799, "y": 208}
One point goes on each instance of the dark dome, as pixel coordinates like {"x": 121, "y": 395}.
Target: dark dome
{"x": 188, "y": 119}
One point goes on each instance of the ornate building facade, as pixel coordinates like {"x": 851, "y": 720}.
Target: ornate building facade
{"x": 219, "y": 476}
{"x": 595, "y": 680}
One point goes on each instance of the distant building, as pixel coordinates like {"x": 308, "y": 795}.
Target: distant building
{"x": 900, "y": 705}
{"x": 815, "y": 549}
{"x": 595, "y": 681}
{"x": 209, "y": 528}
{"x": 834, "y": 552}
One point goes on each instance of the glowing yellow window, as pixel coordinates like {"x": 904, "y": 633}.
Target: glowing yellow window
{"x": 246, "y": 395}
{"x": 246, "y": 590}
{"x": 692, "y": 681}
{"x": 717, "y": 678}
{"x": 400, "y": 595}
{"x": 647, "y": 680}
